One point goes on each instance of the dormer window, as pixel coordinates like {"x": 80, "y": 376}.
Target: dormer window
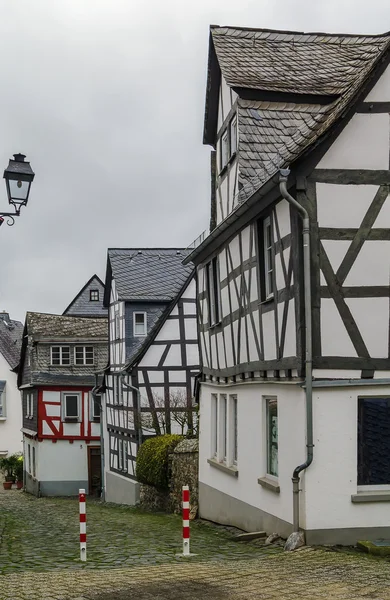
{"x": 60, "y": 355}
{"x": 228, "y": 143}
{"x": 139, "y": 324}
{"x": 94, "y": 295}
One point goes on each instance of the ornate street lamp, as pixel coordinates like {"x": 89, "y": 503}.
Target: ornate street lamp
{"x": 18, "y": 178}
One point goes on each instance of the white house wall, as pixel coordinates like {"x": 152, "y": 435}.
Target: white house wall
{"x": 381, "y": 90}
{"x": 117, "y": 344}
{"x": 10, "y": 435}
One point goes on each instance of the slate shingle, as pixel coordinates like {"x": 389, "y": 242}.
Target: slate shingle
{"x": 153, "y": 274}
{"x": 11, "y": 333}
{"x": 60, "y": 326}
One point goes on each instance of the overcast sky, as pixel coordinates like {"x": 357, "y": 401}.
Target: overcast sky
{"x": 106, "y": 98}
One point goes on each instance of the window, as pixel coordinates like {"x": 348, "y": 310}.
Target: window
{"x": 266, "y": 251}
{"x": 118, "y": 392}
{"x": 71, "y": 402}
{"x": 139, "y": 324}
{"x": 95, "y": 403}
{"x": 29, "y": 458}
{"x": 29, "y": 405}
{"x": 233, "y": 136}
{"x": 224, "y": 429}
{"x": 3, "y": 413}
{"x": 122, "y": 455}
{"x": 33, "y": 461}
{"x": 60, "y": 355}
{"x": 94, "y": 295}
{"x": 224, "y": 150}
{"x": 83, "y": 355}
{"x": 213, "y": 291}
{"x": 373, "y": 441}
{"x": 117, "y": 331}
{"x": 272, "y": 436}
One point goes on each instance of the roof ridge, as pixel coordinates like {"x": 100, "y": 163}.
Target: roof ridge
{"x": 308, "y": 33}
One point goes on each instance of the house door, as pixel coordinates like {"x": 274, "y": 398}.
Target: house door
{"x": 94, "y": 470}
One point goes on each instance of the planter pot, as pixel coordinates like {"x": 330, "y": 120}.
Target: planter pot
{"x": 7, "y": 485}
{"x": 19, "y": 485}
{"x": 10, "y": 479}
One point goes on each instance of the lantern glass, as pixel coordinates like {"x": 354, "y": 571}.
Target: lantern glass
{"x": 19, "y": 190}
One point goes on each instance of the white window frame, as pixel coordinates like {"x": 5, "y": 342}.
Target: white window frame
{"x": 92, "y": 404}
{"x": 3, "y": 405}
{"x": 268, "y": 401}
{"x": 91, "y": 293}
{"x": 214, "y": 425}
{"x": 29, "y": 405}
{"x": 29, "y": 458}
{"x": 117, "y": 328}
{"x": 224, "y": 429}
{"x": 145, "y": 330}
{"x": 233, "y": 429}
{"x": 64, "y": 417}
{"x": 123, "y": 455}
{"x": 233, "y": 136}
{"x": 225, "y": 152}
{"x": 61, "y": 363}
{"x": 268, "y": 259}
{"x": 84, "y": 363}
{"x": 384, "y": 487}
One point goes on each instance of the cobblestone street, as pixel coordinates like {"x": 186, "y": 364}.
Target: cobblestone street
{"x": 132, "y": 554}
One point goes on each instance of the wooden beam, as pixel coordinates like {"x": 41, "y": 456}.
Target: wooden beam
{"x": 333, "y": 233}
{"x": 351, "y": 176}
{"x": 364, "y": 291}
{"x": 373, "y": 107}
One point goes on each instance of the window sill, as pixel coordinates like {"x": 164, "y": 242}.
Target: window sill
{"x": 370, "y": 497}
{"x": 3, "y": 418}
{"x": 215, "y": 324}
{"x": 232, "y": 471}
{"x": 269, "y": 484}
{"x": 71, "y": 420}
{"x": 267, "y": 300}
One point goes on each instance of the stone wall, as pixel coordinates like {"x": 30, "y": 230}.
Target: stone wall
{"x": 183, "y": 471}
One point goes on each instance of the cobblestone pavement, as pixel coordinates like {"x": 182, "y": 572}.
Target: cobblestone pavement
{"x": 133, "y": 555}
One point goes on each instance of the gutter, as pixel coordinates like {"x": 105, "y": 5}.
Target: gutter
{"x": 284, "y": 173}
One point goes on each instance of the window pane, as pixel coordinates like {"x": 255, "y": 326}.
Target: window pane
{"x": 214, "y": 420}
{"x": 33, "y": 461}
{"x": 79, "y": 355}
{"x": 94, "y": 295}
{"x": 374, "y": 441}
{"x": 71, "y": 406}
{"x": 224, "y": 440}
{"x": 272, "y": 437}
{"x": 224, "y": 150}
{"x": 89, "y": 355}
{"x": 235, "y": 430}
{"x": 55, "y": 355}
{"x": 233, "y": 135}
{"x": 1, "y": 406}
{"x": 139, "y": 324}
{"x": 65, "y": 355}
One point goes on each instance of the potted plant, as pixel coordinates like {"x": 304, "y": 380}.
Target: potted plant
{"x": 7, "y": 466}
{"x": 19, "y": 472}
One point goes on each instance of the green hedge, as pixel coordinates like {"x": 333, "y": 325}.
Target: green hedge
{"x": 152, "y": 460}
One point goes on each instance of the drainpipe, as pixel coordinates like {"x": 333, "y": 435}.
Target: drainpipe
{"x": 284, "y": 173}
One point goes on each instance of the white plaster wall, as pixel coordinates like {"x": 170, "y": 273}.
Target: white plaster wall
{"x": 63, "y": 461}
{"x": 246, "y": 235}
{"x": 332, "y": 477}
{"x": 190, "y": 291}
{"x": 169, "y": 331}
{"x": 269, "y": 335}
{"x": 381, "y": 90}
{"x": 282, "y": 209}
{"x": 226, "y": 99}
{"x": 343, "y": 205}
{"x": 11, "y": 438}
{"x": 372, "y": 319}
{"x": 372, "y": 265}
{"x": 335, "y": 340}
{"x": 363, "y": 144}
{"x": 235, "y": 252}
{"x": 251, "y": 462}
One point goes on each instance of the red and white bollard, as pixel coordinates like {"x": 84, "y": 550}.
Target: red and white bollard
{"x": 186, "y": 520}
{"x": 83, "y": 526}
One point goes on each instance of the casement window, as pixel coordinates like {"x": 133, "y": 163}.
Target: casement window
{"x": 29, "y": 458}
{"x": 71, "y": 406}
{"x": 60, "y": 355}
{"x": 94, "y": 295}
{"x": 139, "y": 324}
{"x": 266, "y": 258}
{"x": 272, "y": 436}
{"x": 122, "y": 455}
{"x": 224, "y": 429}
{"x": 94, "y": 410}
{"x": 33, "y": 462}
{"x": 3, "y": 412}
{"x": 373, "y": 442}
{"x": 213, "y": 291}
{"x": 117, "y": 389}
{"x": 29, "y": 405}
{"x": 233, "y": 136}
{"x": 83, "y": 355}
{"x": 225, "y": 155}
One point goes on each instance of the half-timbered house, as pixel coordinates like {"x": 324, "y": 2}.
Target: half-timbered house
{"x": 319, "y": 105}
{"x": 61, "y": 419}
{"x": 10, "y": 405}
{"x": 154, "y": 357}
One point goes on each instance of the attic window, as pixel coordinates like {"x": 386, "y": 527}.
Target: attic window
{"x": 60, "y": 355}
{"x": 94, "y": 295}
{"x": 139, "y": 324}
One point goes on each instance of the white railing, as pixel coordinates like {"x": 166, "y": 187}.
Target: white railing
{"x": 197, "y": 242}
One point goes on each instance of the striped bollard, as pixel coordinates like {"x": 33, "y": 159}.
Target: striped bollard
{"x": 83, "y": 526}
{"x": 186, "y": 520}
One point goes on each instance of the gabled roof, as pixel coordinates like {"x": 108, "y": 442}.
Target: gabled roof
{"x": 146, "y": 274}
{"x": 61, "y": 327}
{"x": 82, "y": 306}
{"x": 11, "y": 333}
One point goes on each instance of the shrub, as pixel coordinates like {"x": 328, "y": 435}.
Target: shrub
{"x": 152, "y": 460}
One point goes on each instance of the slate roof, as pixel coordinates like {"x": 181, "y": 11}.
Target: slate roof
{"x": 83, "y": 306}
{"x": 152, "y": 274}
{"x": 273, "y": 134}
{"x": 11, "y": 333}
{"x": 312, "y": 63}
{"x": 59, "y": 326}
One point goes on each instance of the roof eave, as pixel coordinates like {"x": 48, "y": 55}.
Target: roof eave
{"x": 212, "y": 90}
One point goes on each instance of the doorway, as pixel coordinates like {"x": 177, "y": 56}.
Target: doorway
{"x": 94, "y": 471}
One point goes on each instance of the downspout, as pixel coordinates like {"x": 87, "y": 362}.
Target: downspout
{"x": 284, "y": 173}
